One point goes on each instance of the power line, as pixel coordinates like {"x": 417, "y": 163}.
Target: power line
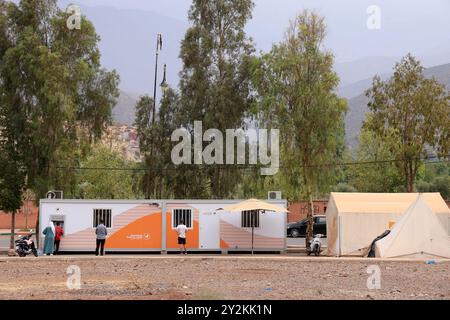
{"x": 426, "y": 160}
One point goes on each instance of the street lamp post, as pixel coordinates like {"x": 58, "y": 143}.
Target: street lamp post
{"x": 158, "y": 47}
{"x": 164, "y": 85}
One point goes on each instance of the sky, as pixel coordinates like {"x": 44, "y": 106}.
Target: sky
{"x": 403, "y": 19}
{"x": 417, "y": 26}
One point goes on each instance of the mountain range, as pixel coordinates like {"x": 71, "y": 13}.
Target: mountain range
{"x": 128, "y": 39}
{"x": 357, "y": 105}
{"x": 123, "y": 113}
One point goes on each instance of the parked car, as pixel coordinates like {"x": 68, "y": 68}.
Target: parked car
{"x": 298, "y": 229}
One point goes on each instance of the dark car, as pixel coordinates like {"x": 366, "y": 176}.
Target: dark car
{"x": 298, "y": 229}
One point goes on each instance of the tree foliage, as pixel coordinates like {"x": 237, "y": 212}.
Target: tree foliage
{"x": 414, "y": 111}
{"x": 374, "y": 170}
{"x": 215, "y": 84}
{"x": 95, "y": 184}
{"x": 435, "y": 178}
{"x": 296, "y": 83}
{"x": 55, "y": 97}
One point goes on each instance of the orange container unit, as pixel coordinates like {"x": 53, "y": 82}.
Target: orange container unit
{"x": 150, "y": 225}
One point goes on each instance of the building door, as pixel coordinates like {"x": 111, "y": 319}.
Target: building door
{"x": 209, "y": 230}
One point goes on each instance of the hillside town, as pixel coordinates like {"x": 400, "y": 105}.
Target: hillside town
{"x": 123, "y": 139}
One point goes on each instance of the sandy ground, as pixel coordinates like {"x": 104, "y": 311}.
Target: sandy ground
{"x": 220, "y": 277}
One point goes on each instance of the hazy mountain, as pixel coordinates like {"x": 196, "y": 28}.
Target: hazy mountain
{"x": 355, "y": 89}
{"x": 354, "y": 71}
{"x": 357, "y": 106}
{"x": 128, "y": 31}
{"x": 124, "y": 111}
{"x": 357, "y": 76}
{"x": 128, "y": 43}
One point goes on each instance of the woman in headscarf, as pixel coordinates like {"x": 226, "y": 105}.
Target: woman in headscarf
{"x": 49, "y": 242}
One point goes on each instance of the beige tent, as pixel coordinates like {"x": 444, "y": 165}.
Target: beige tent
{"x": 419, "y": 233}
{"x": 354, "y": 220}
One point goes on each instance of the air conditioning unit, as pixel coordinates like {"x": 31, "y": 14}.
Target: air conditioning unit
{"x": 57, "y": 194}
{"x": 274, "y": 195}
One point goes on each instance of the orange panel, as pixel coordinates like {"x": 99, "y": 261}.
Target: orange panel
{"x": 192, "y": 235}
{"x": 144, "y": 233}
{"x": 223, "y": 244}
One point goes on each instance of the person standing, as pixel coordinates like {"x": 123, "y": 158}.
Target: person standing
{"x": 49, "y": 242}
{"x": 181, "y": 230}
{"x": 101, "y": 233}
{"x": 59, "y": 232}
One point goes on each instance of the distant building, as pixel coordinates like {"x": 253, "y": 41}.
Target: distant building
{"x": 26, "y": 217}
{"x": 299, "y": 209}
{"x": 124, "y": 140}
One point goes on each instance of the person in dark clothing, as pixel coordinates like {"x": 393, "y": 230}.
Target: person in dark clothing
{"x": 59, "y": 232}
{"x": 101, "y": 233}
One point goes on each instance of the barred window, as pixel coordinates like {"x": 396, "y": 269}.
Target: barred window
{"x": 182, "y": 215}
{"x": 250, "y": 219}
{"x": 102, "y": 214}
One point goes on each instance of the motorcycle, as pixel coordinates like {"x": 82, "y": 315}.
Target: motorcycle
{"x": 315, "y": 245}
{"x": 25, "y": 246}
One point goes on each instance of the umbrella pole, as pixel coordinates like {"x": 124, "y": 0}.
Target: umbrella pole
{"x": 253, "y": 229}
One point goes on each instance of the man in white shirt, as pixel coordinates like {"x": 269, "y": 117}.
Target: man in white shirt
{"x": 181, "y": 230}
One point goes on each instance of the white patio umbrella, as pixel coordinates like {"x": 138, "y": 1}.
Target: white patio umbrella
{"x": 256, "y": 206}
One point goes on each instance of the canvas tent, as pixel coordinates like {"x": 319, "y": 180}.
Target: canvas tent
{"x": 417, "y": 234}
{"x": 354, "y": 220}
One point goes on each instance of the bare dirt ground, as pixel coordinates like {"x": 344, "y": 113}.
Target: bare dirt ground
{"x": 220, "y": 277}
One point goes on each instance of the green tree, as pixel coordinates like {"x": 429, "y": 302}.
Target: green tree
{"x": 12, "y": 184}
{"x": 159, "y": 177}
{"x": 55, "y": 98}
{"x": 297, "y": 84}
{"x": 415, "y": 111}
{"x": 12, "y": 177}
{"x": 215, "y": 85}
{"x": 98, "y": 184}
{"x": 55, "y": 94}
{"x": 436, "y": 178}
{"x": 374, "y": 171}
{"x": 146, "y": 134}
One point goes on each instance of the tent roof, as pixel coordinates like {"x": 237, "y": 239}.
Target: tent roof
{"x": 385, "y": 202}
{"x": 417, "y": 233}
{"x": 254, "y": 204}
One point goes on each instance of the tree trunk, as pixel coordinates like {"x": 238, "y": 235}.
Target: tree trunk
{"x": 310, "y": 220}
{"x": 38, "y": 235}
{"x": 13, "y": 230}
{"x": 409, "y": 177}
{"x": 309, "y": 216}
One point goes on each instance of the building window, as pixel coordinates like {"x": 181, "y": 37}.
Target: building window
{"x": 182, "y": 214}
{"x": 102, "y": 215}
{"x": 249, "y": 219}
